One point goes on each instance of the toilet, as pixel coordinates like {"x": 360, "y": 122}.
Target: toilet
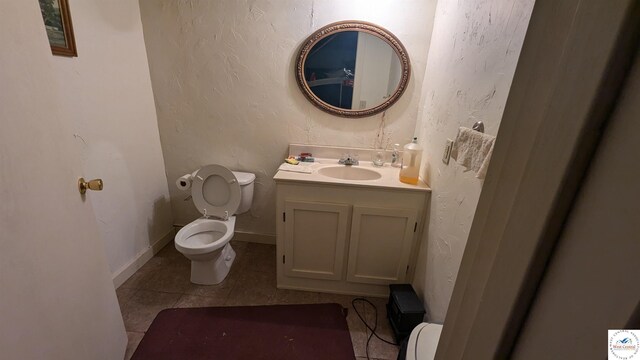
{"x": 423, "y": 341}
{"x": 219, "y": 194}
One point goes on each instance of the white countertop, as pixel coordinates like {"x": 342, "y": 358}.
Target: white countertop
{"x": 389, "y": 176}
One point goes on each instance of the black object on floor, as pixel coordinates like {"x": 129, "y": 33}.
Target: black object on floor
{"x": 405, "y": 310}
{"x": 315, "y": 331}
{"x": 402, "y": 354}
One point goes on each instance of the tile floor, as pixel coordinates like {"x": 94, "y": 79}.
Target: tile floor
{"x": 163, "y": 282}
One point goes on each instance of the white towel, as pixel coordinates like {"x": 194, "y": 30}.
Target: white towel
{"x": 295, "y": 168}
{"x": 472, "y": 149}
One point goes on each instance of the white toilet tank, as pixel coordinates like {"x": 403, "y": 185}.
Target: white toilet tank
{"x": 246, "y": 190}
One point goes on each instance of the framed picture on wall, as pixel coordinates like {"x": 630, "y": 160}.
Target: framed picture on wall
{"x": 57, "y": 21}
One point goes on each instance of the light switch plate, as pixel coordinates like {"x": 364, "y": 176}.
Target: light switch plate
{"x": 447, "y": 152}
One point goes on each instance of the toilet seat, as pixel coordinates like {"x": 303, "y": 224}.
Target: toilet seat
{"x": 203, "y": 236}
{"x": 423, "y": 341}
{"x": 216, "y": 191}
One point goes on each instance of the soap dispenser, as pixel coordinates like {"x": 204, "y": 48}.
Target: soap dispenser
{"x": 411, "y": 158}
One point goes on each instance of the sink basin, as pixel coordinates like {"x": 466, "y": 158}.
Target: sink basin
{"x": 349, "y": 173}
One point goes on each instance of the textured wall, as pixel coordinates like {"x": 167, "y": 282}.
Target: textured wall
{"x": 108, "y": 96}
{"x": 223, "y": 80}
{"x": 472, "y": 60}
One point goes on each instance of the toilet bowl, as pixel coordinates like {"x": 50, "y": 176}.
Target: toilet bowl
{"x": 218, "y": 193}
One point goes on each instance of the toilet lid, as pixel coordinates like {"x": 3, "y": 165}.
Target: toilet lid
{"x": 215, "y": 191}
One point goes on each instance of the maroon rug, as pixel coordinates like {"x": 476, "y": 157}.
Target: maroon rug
{"x": 316, "y": 331}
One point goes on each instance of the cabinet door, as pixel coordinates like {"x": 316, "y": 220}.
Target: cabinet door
{"x": 315, "y": 239}
{"x": 380, "y": 244}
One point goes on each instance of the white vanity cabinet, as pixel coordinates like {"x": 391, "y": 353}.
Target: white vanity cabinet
{"x": 347, "y": 239}
{"x": 380, "y": 244}
{"x": 315, "y": 236}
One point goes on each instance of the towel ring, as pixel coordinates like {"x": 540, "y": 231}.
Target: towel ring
{"x": 478, "y": 126}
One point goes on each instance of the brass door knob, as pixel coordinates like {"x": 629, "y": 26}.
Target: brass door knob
{"x": 95, "y": 184}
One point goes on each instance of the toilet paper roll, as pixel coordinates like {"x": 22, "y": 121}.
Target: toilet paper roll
{"x": 184, "y": 182}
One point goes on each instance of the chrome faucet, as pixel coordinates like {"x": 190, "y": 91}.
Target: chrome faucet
{"x": 348, "y": 159}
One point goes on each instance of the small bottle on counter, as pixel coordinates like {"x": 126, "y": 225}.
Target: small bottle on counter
{"x": 411, "y": 159}
{"x": 395, "y": 156}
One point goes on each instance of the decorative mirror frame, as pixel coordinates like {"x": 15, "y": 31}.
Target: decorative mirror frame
{"x": 353, "y": 25}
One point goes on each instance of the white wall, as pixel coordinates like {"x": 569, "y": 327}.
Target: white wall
{"x": 472, "y": 59}
{"x": 107, "y": 94}
{"x": 223, "y": 79}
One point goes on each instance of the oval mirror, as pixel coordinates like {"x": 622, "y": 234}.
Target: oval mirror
{"x": 352, "y": 69}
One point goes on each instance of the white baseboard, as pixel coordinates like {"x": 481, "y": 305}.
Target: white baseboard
{"x": 254, "y": 238}
{"x": 121, "y": 275}
{"x": 125, "y": 272}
